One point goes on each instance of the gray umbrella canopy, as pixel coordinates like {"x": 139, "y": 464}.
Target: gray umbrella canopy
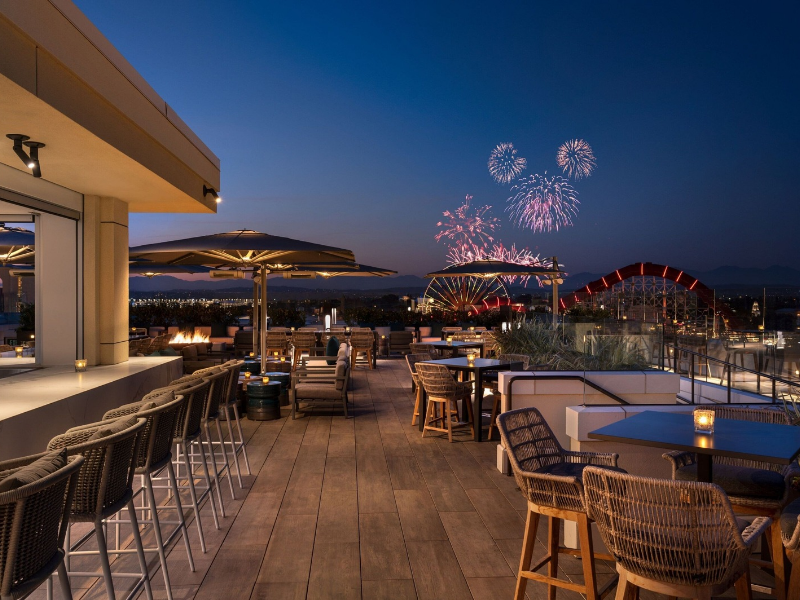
{"x": 243, "y": 249}
{"x": 493, "y": 268}
{"x": 16, "y": 245}
{"x": 327, "y": 270}
{"x": 151, "y": 269}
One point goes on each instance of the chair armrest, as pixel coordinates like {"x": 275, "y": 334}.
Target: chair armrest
{"x": 592, "y": 458}
{"x": 122, "y": 411}
{"x": 755, "y": 530}
{"x": 678, "y": 459}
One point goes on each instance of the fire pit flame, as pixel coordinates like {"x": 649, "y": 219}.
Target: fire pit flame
{"x": 186, "y": 337}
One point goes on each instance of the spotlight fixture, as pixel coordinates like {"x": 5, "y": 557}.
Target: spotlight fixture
{"x": 34, "y": 150}
{"x": 214, "y": 193}
{"x": 32, "y": 161}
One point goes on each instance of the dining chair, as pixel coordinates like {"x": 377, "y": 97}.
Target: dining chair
{"x": 303, "y": 341}
{"x": 411, "y": 361}
{"x": 753, "y": 487}
{"x": 551, "y": 480}
{"x": 790, "y": 533}
{"x": 361, "y": 342}
{"x": 677, "y": 538}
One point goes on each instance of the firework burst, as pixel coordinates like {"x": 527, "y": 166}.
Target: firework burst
{"x": 543, "y": 203}
{"x": 468, "y": 226}
{"x": 576, "y": 158}
{"x": 464, "y": 253}
{"x": 504, "y": 164}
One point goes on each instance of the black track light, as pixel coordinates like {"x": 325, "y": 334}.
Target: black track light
{"x": 34, "y": 150}
{"x": 32, "y": 161}
{"x": 214, "y": 193}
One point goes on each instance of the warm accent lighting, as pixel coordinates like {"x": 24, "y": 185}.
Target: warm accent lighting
{"x": 703, "y": 420}
{"x": 214, "y": 193}
{"x": 283, "y": 359}
{"x": 247, "y": 374}
{"x": 327, "y": 322}
{"x": 471, "y": 357}
{"x": 80, "y": 365}
{"x": 18, "y": 350}
{"x": 449, "y": 341}
{"x": 265, "y": 380}
{"x": 275, "y": 354}
{"x": 189, "y": 338}
{"x": 252, "y": 355}
{"x": 32, "y": 161}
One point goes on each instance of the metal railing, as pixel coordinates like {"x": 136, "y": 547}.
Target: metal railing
{"x": 694, "y": 360}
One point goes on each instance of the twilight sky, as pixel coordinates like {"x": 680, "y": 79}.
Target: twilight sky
{"x": 357, "y": 124}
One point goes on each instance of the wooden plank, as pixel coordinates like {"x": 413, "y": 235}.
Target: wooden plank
{"x": 342, "y": 444}
{"x": 396, "y": 444}
{"x": 335, "y": 571}
{"x": 232, "y": 575}
{"x": 489, "y": 588}
{"x": 288, "y": 556}
{"x": 338, "y": 516}
{"x": 466, "y": 468}
{"x": 418, "y": 516}
{"x": 340, "y": 473}
{"x": 282, "y": 590}
{"x": 404, "y": 473}
{"x": 254, "y": 522}
{"x": 449, "y": 497}
{"x": 389, "y": 589}
{"x": 499, "y": 517}
{"x": 302, "y": 494}
{"x": 383, "y": 551}
{"x": 437, "y": 575}
{"x": 477, "y": 553}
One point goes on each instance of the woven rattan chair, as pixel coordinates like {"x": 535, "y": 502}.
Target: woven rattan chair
{"x": 790, "y": 532}
{"x": 443, "y": 393}
{"x": 362, "y": 342}
{"x": 551, "y": 479}
{"x": 215, "y": 400}
{"x": 449, "y": 331}
{"x": 493, "y": 386}
{"x": 677, "y": 538}
{"x": 424, "y": 349}
{"x": 277, "y": 341}
{"x": 153, "y": 457}
{"x": 238, "y": 446}
{"x": 303, "y": 341}
{"x": 411, "y": 361}
{"x": 104, "y": 487}
{"x": 735, "y": 476}
{"x": 33, "y": 525}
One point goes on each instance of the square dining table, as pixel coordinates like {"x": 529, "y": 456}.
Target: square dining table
{"x": 476, "y": 368}
{"x": 767, "y": 442}
{"x": 454, "y": 347}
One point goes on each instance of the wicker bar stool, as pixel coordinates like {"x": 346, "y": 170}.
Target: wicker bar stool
{"x": 231, "y": 406}
{"x": 493, "y": 386}
{"x": 34, "y": 516}
{"x": 104, "y": 487}
{"x": 362, "y": 342}
{"x": 677, "y": 538}
{"x": 551, "y": 479}
{"x": 411, "y": 361}
{"x": 443, "y": 393}
{"x": 767, "y": 498}
{"x": 303, "y": 341}
{"x": 277, "y": 341}
{"x": 153, "y": 457}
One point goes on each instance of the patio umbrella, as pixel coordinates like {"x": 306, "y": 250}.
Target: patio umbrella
{"x": 491, "y": 269}
{"x": 327, "y": 270}
{"x": 150, "y": 269}
{"x": 243, "y": 249}
{"x": 16, "y": 245}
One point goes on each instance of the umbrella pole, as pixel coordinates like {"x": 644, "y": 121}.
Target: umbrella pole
{"x": 255, "y": 320}
{"x": 263, "y": 323}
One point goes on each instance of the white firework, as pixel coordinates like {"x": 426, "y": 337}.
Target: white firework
{"x": 504, "y": 164}
{"x": 543, "y": 203}
{"x": 576, "y": 158}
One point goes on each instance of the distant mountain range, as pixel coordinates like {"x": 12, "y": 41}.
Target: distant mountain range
{"x": 721, "y": 277}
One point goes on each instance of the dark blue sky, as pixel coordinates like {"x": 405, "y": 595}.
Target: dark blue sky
{"x": 358, "y": 124}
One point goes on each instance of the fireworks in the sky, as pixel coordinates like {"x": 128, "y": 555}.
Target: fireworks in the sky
{"x": 543, "y": 203}
{"x": 504, "y": 164}
{"x": 576, "y": 159}
{"x": 464, "y": 253}
{"x": 467, "y": 225}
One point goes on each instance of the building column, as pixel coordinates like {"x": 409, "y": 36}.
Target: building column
{"x": 105, "y": 291}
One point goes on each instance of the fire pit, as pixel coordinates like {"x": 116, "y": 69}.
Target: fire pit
{"x": 187, "y": 338}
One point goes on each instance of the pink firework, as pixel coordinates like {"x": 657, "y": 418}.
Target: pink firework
{"x": 576, "y": 158}
{"x": 519, "y": 257}
{"x": 467, "y": 225}
{"x": 543, "y": 203}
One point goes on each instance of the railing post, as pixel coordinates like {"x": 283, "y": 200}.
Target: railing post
{"x": 692, "y": 374}
{"x": 774, "y": 392}
{"x": 674, "y": 359}
{"x": 729, "y": 383}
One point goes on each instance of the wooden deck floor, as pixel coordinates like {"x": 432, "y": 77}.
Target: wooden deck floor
{"x": 356, "y": 508}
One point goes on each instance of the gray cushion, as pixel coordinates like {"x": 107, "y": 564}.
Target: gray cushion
{"x": 202, "y": 349}
{"x": 38, "y": 469}
{"x": 572, "y": 469}
{"x": 317, "y": 391}
{"x": 189, "y": 352}
{"x": 341, "y": 370}
{"x": 741, "y": 481}
{"x": 113, "y": 427}
{"x": 789, "y": 518}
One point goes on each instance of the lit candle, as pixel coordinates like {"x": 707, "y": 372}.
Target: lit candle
{"x": 283, "y": 359}
{"x": 265, "y": 380}
{"x": 471, "y": 357}
{"x": 252, "y": 355}
{"x": 80, "y": 365}
{"x": 19, "y": 350}
{"x": 472, "y": 329}
{"x": 247, "y": 374}
{"x": 703, "y": 420}
{"x": 275, "y": 354}
{"x": 449, "y": 341}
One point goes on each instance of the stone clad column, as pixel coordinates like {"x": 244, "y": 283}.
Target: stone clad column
{"x": 105, "y": 293}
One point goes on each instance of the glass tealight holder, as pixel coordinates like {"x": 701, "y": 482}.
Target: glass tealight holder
{"x": 252, "y": 355}
{"x": 247, "y": 374}
{"x": 472, "y": 329}
{"x": 18, "y": 350}
{"x": 703, "y": 420}
{"x": 80, "y": 365}
{"x": 471, "y": 357}
{"x": 265, "y": 380}
{"x": 283, "y": 359}
{"x": 449, "y": 341}
{"x": 275, "y": 354}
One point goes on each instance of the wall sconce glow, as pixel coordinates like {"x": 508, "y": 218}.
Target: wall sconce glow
{"x": 80, "y": 365}
{"x": 18, "y": 350}
{"x": 214, "y": 193}
{"x": 703, "y": 420}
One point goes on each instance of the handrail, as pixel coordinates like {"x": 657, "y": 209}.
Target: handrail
{"x": 728, "y": 366}
{"x": 591, "y": 384}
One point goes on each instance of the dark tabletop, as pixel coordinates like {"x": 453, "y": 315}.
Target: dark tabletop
{"x": 445, "y": 344}
{"x": 736, "y": 439}
{"x": 479, "y": 363}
